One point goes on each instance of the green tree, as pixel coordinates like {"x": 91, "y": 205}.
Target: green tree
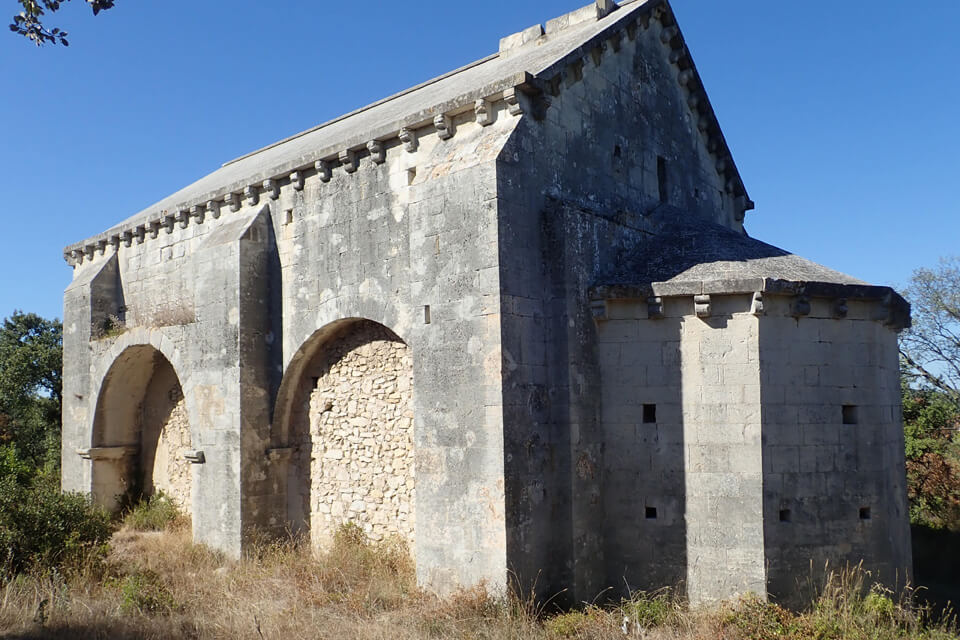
{"x": 930, "y": 423}
{"x": 31, "y": 360}
{"x": 29, "y": 22}
{"x": 930, "y": 349}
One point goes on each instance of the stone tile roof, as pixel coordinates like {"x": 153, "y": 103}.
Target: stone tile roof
{"x": 528, "y": 62}
{"x": 699, "y": 257}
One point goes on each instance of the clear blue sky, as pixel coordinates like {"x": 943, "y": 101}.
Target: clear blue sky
{"x": 843, "y": 117}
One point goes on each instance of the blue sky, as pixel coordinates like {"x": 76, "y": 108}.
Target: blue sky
{"x": 842, "y": 117}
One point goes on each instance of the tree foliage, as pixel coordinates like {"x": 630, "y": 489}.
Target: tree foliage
{"x": 931, "y": 347}
{"x": 31, "y": 360}
{"x": 931, "y": 422}
{"x": 29, "y": 22}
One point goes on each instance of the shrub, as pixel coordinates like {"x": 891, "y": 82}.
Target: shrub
{"x": 648, "y": 610}
{"x": 42, "y": 528}
{"x": 567, "y": 625}
{"x": 145, "y": 593}
{"x": 154, "y": 514}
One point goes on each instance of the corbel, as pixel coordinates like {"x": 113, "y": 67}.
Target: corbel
{"x": 348, "y": 159}
{"x": 323, "y": 170}
{"x": 686, "y": 77}
{"x": 840, "y": 309}
{"x": 654, "y": 307}
{"x": 444, "y": 126}
{"x": 512, "y": 98}
{"x": 616, "y": 38}
{"x": 89, "y": 251}
{"x": 272, "y": 187}
{"x": 102, "y": 247}
{"x": 740, "y": 207}
{"x": 198, "y": 213}
{"x": 632, "y": 31}
{"x": 704, "y": 124}
{"x": 553, "y": 85}
{"x": 140, "y": 234}
{"x": 183, "y": 217}
{"x": 701, "y": 306}
{"x": 154, "y": 228}
{"x": 169, "y": 221}
{"x": 483, "y": 111}
{"x": 574, "y": 72}
{"x": 693, "y": 101}
{"x": 115, "y": 242}
{"x": 127, "y": 237}
{"x": 723, "y": 165}
{"x": 213, "y": 208}
{"x": 669, "y": 33}
{"x": 409, "y": 139}
{"x": 596, "y": 54}
{"x": 800, "y": 306}
{"x": 296, "y": 180}
{"x": 680, "y": 57}
{"x": 194, "y": 456}
{"x": 598, "y": 309}
{"x": 377, "y": 151}
{"x": 76, "y": 257}
{"x": 756, "y": 307}
{"x": 233, "y": 199}
{"x": 252, "y": 194}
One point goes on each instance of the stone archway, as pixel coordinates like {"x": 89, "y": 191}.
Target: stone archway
{"x": 141, "y": 431}
{"x": 351, "y": 433}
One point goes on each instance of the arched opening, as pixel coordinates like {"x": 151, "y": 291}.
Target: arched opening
{"x": 351, "y": 433}
{"x": 141, "y": 432}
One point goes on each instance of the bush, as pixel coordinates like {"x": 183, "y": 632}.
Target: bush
{"x": 42, "y": 528}
{"x": 155, "y": 514}
{"x": 145, "y": 593}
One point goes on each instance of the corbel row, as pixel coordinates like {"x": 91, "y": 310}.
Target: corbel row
{"x": 348, "y": 159}
{"x": 887, "y": 310}
{"x": 700, "y": 109}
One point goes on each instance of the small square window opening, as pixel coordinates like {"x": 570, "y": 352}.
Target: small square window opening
{"x": 650, "y": 513}
{"x": 849, "y": 414}
{"x": 785, "y": 515}
{"x": 649, "y": 413}
{"x": 865, "y": 513}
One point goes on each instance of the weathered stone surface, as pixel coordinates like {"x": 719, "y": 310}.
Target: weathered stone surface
{"x": 511, "y": 316}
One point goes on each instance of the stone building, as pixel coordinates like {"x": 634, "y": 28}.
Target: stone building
{"x": 510, "y": 315}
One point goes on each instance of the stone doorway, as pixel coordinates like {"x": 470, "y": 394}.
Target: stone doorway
{"x": 141, "y": 432}
{"x": 352, "y": 434}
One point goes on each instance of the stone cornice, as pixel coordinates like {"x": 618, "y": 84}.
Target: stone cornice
{"x": 522, "y": 92}
{"x": 894, "y": 310}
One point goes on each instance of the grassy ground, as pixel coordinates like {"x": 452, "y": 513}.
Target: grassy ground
{"x": 157, "y": 584}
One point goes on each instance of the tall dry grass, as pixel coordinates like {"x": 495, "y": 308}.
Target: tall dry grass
{"x": 161, "y": 585}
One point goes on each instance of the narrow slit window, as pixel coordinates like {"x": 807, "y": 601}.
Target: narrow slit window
{"x": 849, "y": 414}
{"x": 616, "y": 151}
{"x": 785, "y": 515}
{"x": 865, "y": 513}
{"x": 662, "y": 177}
{"x": 649, "y": 413}
{"x": 650, "y": 513}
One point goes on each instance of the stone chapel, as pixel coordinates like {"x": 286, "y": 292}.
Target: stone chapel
{"x": 511, "y": 316}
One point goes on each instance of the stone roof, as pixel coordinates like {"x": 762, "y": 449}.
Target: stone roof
{"x": 528, "y": 62}
{"x": 699, "y": 257}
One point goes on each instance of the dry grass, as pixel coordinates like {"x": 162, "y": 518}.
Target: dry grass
{"x": 161, "y": 585}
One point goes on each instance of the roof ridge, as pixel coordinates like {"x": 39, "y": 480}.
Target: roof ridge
{"x": 350, "y": 114}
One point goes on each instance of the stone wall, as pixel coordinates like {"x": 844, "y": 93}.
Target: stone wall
{"x": 359, "y": 449}
{"x": 165, "y": 437}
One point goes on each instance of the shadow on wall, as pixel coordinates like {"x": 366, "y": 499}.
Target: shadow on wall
{"x": 936, "y": 565}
